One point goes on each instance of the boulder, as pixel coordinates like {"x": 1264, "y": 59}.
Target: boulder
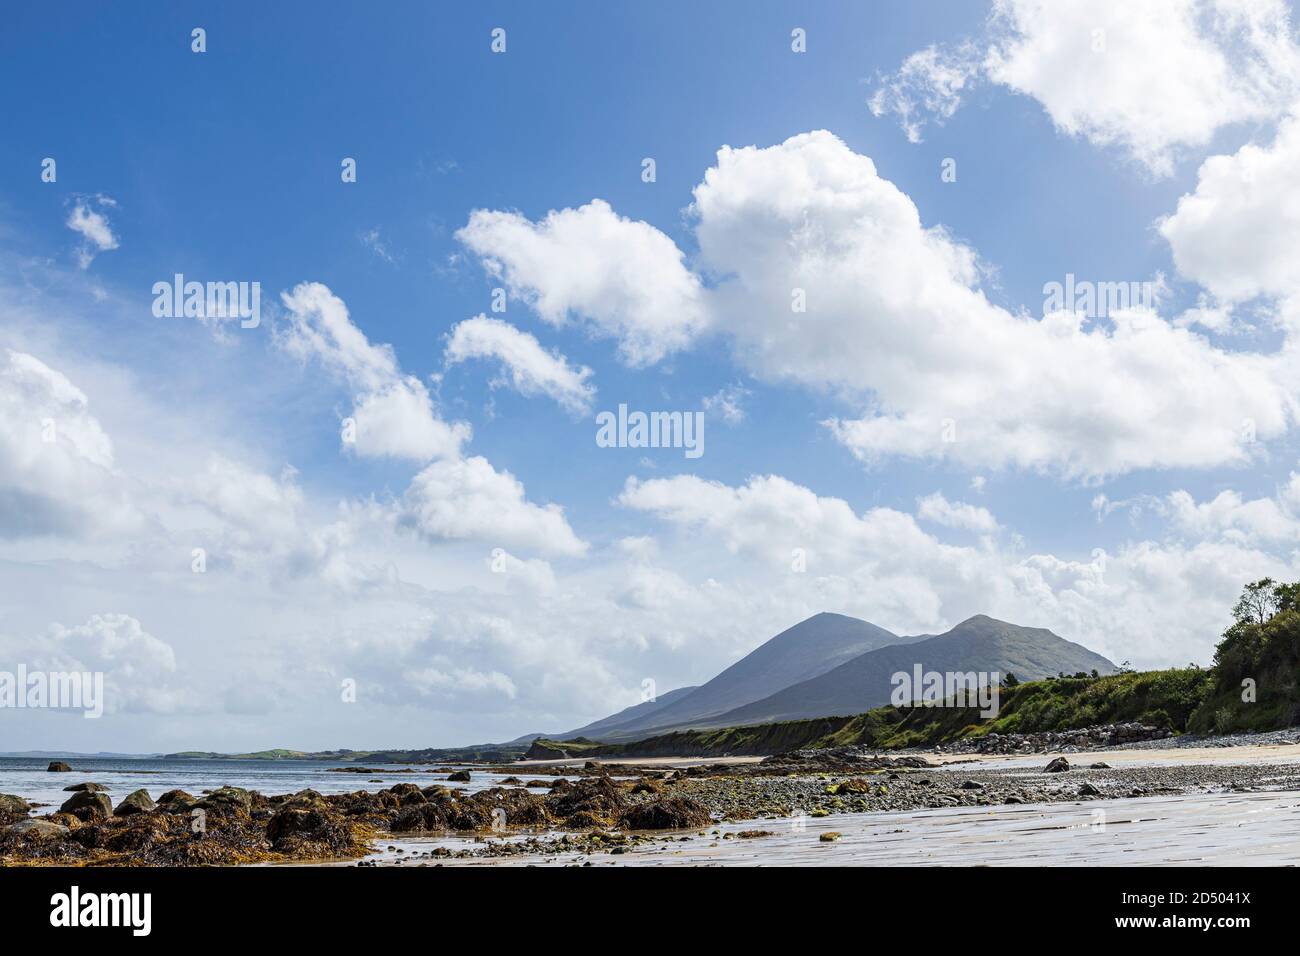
{"x": 58, "y": 766}
{"x": 12, "y": 804}
{"x": 459, "y": 776}
{"x": 40, "y": 829}
{"x": 1059, "y": 765}
{"x": 92, "y": 787}
{"x": 86, "y": 805}
{"x": 138, "y": 801}
{"x": 853, "y": 785}
{"x": 177, "y": 801}
{"x": 230, "y": 799}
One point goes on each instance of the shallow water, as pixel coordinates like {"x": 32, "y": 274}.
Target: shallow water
{"x": 29, "y": 778}
{"x": 1248, "y": 829}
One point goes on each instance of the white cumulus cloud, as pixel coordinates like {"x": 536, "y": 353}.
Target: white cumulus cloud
{"x": 529, "y": 368}
{"x": 1155, "y": 80}
{"x": 625, "y": 279}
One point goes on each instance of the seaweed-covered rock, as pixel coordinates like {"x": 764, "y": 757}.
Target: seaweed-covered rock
{"x": 12, "y": 808}
{"x": 459, "y": 776}
{"x": 177, "y": 801}
{"x": 229, "y": 800}
{"x": 137, "y": 801}
{"x": 317, "y": 831}
{"x": 520, "y": 807}
{"x": 665, "y": 813}
{"x": 58, "y": 766}
{"x": 93, "y": 787}
{"x": 88, "y": 805}
{"x": 596, "y": 799}
{"x": 39, "y": 829}
{"x": 854, "y": 785}
{"x": 420, "y": 818}
{"x": 468, "y": 815}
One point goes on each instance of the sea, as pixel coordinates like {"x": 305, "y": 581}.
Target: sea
{"x": 30, "y": 778}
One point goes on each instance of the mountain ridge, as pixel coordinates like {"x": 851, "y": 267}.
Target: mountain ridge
{"x": 800, "y": 652}
{"x": 980, "y": 644}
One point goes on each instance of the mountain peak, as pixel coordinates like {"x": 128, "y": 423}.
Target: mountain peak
{"x": 981, "y": 619}
{"x": 805, "y": 650}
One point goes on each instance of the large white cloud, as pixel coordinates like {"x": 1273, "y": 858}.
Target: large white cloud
{"x": 468, "y": 498}
{"x": 1237, "y": 233}
{"x": 1154, "y": 79}
{"x": 625, "y": 279}
{"x": 393, "y": 413}
{"x": 1252, "y": 522}
{"x": 893, "y": 318}
{"x": 56, "y": 460}
{"x": 532, "y": 369}
{"x": 879, "y": 564}
{"x": 138, "y": 670}
{"x": 955, "y": 514}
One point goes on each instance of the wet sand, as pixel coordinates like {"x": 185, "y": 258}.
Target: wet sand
{"x": 1253, "y": 829}
{"x": 1198, "y": 829}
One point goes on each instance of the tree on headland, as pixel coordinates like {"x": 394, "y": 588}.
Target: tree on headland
{"x": 1260, "y": 600}
{"x": 1262, "y": 648}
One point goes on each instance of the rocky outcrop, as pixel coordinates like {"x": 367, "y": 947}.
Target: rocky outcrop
{"x": 459, "y": 776}
{"x": 93, "y": 787}
{"x": 853, "y": 758}
{"x": 1058, "y": 741}
{"x": 541, "y": 751}
{"x": 58, "y": 766}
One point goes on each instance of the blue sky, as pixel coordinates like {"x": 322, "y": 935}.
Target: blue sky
{"x": 225, "y": 165}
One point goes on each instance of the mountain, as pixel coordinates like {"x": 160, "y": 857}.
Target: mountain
{"x": 67, "y": 754}
{"x": 626, "y": 716}
{"x": 978, "y": 644}
{"x": 807, "y": 650}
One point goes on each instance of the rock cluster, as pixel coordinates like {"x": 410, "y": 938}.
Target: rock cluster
{"x": 1058, "y": 741}
{"x": 232, "y": 825}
